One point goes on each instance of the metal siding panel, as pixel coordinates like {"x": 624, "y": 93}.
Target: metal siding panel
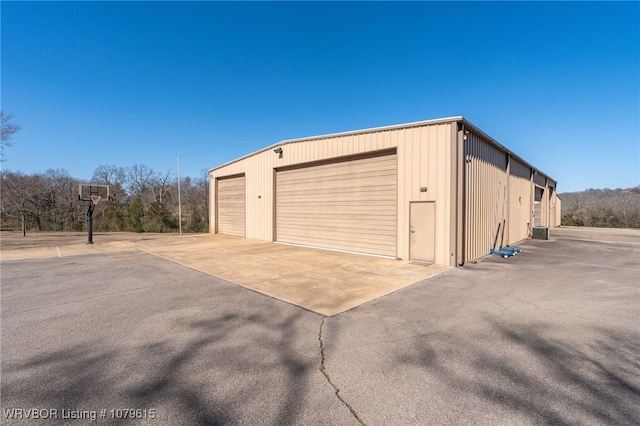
{"x": 545, "y": 206}
{"x": 519, "y": 201}
{"x": 404, "y": 158}
{"x": 212, "y": 206}
{"x": 442, "y": 180}
{"x": 453, "y": 199}
{"x": 486, "y": 180}
{"x": 438, "y": 185}
{"x": 421, "y": 154}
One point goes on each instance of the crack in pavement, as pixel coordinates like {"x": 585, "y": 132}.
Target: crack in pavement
{"x": 324, "y": 372}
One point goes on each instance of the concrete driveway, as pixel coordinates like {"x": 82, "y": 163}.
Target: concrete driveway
{"x": 547, "y": 337}
{"x": 321, "y": 281}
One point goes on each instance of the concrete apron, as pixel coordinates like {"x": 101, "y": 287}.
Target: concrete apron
{"x": 321, "y": 281}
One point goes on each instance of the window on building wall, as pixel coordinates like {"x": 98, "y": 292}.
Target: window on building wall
{"x": 539, "y": 192}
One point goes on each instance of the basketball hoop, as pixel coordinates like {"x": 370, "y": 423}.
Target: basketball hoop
{"x": 93, "y": 193}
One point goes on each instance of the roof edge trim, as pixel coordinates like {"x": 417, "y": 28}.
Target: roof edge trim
{"x": 504, "y": 148}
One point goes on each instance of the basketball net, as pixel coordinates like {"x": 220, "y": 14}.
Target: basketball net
{"x": 95, "y": 198}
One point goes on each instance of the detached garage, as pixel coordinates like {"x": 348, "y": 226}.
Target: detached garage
{"x": 436, "y": 191}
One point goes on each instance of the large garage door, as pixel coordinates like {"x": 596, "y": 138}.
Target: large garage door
{"x": 348, "y": 205}
{"x": 230, "y": 205}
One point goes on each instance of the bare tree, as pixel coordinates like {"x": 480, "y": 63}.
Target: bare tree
{"x": 160, "y": 187}
{"x": 602, "y": 207}
{"x": 141, "y": 200}
{"x": 139, "y": 179}
{"x": 16, "y": 197}
{"x": 38, "y": 196}
{"x": 109, "y": 175}
{"x": 195, "y": 199}
{"x": 115, "y": 177}
{"x": 7, "y": 132}
{"x": 61, "y": 197}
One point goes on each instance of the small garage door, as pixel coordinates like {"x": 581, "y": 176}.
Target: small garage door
{"x": 230, "y": 205}
{"x": 537, "y": 206}
{"x": 348, "y": 205}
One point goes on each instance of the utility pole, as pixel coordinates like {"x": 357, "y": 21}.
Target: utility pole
{"x": 179, "y": 200}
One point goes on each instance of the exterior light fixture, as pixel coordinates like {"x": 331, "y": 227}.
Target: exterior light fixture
{"x": 423, "y": 189}
{"x": 278, "y": 150}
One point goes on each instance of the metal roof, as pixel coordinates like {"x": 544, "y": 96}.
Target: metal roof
{"x": 455, "y": 119}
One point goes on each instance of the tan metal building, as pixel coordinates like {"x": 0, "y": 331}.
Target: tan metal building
{"x": 438, "y": 191}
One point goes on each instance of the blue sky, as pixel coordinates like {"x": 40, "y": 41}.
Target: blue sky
{"x": 127, "y": 83}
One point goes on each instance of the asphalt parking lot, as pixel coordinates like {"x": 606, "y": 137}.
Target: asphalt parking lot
{"x": 550, "y": 336}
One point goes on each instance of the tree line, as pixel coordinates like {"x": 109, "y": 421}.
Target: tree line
{"x": 608, "y": 208}
{"x": 141, "y": 200}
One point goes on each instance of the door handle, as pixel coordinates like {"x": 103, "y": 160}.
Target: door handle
{"x": 413, "y": 231}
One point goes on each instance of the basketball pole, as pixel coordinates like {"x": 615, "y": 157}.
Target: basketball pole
{"x": 90, "y": 223}
{"x": 179, "y": 201}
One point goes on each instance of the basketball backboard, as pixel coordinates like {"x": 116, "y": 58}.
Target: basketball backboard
{"x": 93, "y": 192}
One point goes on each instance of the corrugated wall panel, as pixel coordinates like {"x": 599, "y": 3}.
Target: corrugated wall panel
{"x": 519, "y": 202}
{"x": 425, "y": 159}
{"x": 545, "y": 205}
{"x": 486, "y": 182}
{"x": 552, "y": 203}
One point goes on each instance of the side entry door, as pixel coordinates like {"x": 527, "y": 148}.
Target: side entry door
{"x": 422, "y": 227}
